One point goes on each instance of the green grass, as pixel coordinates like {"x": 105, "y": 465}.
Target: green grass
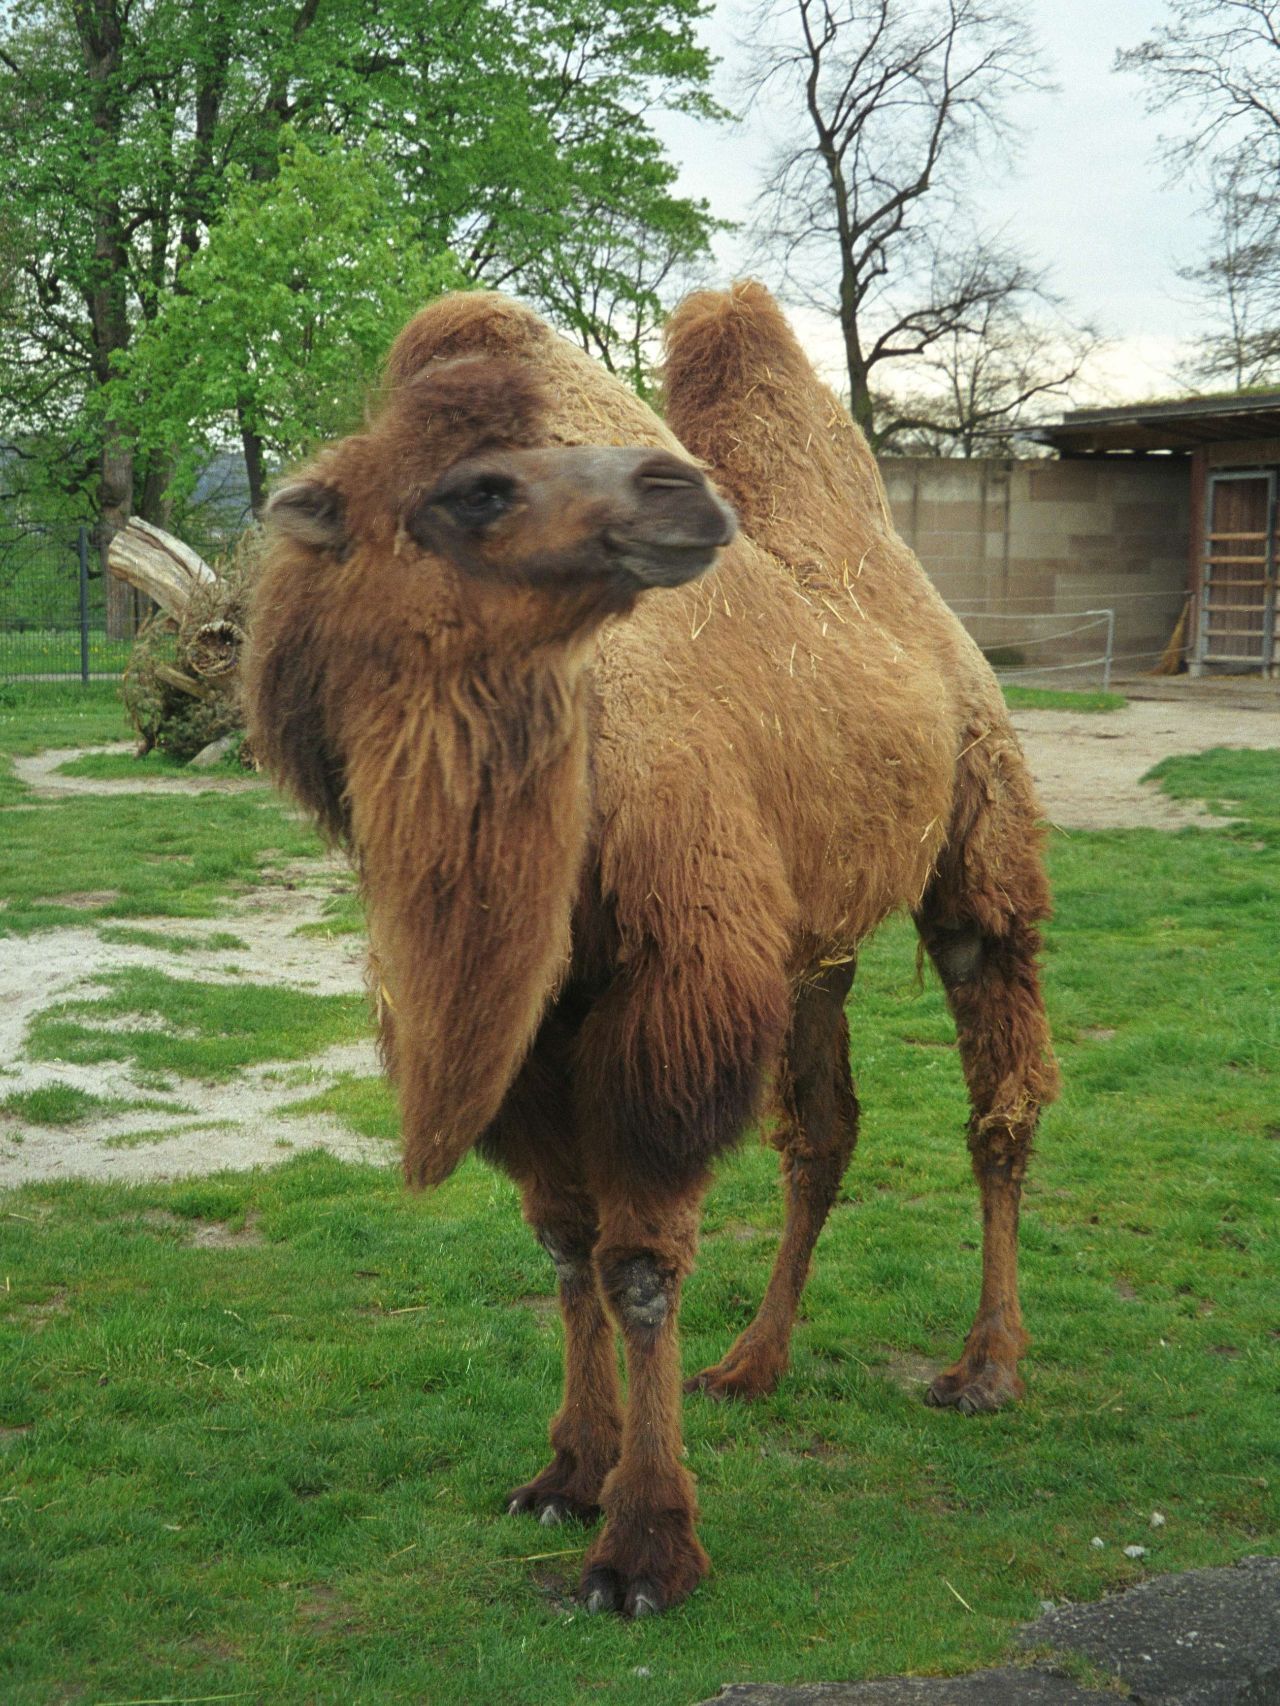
{"x": 1060, "y": 699}
{"x": 122, "y": 766}
{"x": 342, "y": 916}
{"x": 1238, "y": 784}
{"x": 162, "y": 857}
{"x": 171, "y": 942}
{"x": 255, "y": 1429}
{"x": 207, "y": 1031}
{"x": 66, "y": 1105}
{"x": 366, "y": 1106}
{"x": 136, "y": 857}
{"x": 161, "y": 1134}
{"x": 128, "y": 767}
{"x": 39, "y": 714}
{"x": 56, "y": 651}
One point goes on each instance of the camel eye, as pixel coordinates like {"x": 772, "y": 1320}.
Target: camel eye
{"x": 480, "y": 501}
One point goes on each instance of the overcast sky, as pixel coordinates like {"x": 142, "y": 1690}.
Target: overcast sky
{"x": 1087, "y": 196}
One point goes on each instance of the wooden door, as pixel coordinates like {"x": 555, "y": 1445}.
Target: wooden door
{"x": 1237, "y": 622}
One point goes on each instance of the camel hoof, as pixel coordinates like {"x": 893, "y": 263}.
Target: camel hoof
{"x": 974, "y": 1392}
{"x": 600, "y": 1592}
{"x": 642, "y": 1601}
{"x": 550, "y": 1506}
{"x": 741, "y": 1381}
{"x": 644, "y": 1567}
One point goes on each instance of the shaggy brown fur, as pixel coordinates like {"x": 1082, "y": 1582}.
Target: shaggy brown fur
{"x": 617, "y": 871}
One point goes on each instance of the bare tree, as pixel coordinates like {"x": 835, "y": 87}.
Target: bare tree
{"x": 1217, "y": 63}
{"x": 983, "y": 385}
{"x": 898, "y": 102}
{"x": 1238, "y": 283}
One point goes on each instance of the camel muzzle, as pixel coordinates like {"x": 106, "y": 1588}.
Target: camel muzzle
{"x": 676, "y": 525}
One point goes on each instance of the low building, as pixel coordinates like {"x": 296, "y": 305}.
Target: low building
{"x": 1161, "y": 514}
{"x": 1053, "y": 566}
{"x": 1230, "y": 449}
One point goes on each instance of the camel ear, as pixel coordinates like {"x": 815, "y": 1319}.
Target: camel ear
{"x": 310, "y": 512}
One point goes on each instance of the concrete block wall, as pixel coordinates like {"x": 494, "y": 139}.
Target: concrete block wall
{"x": 1046, "y": 540}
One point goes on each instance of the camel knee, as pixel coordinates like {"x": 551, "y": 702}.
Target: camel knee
{"x": 640, "y": 1290}
{"x": 569, "y": 1247}
{"x": 1000, "y": 1143}
{"x": 957, "y": 953}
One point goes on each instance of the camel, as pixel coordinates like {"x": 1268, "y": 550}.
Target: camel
{"x": 621, "y": 826}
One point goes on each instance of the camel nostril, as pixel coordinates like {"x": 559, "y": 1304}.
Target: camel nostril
{"x": 665, "y": 473}
{"x": 668, "y": 481}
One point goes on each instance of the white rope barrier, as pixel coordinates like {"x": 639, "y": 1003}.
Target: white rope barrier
{"x": 1019, "y": 643}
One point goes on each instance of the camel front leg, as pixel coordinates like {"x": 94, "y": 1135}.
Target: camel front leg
{"x": 816, "y": 1140}
{"x": 648, "y": 1556}
{"x": 586, "y": 1431}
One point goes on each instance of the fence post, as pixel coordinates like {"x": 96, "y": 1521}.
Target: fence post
{"x": 82, "y": 546}
{"x": 1111, "y": 646}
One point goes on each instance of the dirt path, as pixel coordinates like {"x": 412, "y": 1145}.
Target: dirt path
{"x": 1087, "y": 767}
{"x": 41, "y": 774}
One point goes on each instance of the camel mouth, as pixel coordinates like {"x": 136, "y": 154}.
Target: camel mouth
{"x": 663, "y": 562}
{"x": 671, "y": 542}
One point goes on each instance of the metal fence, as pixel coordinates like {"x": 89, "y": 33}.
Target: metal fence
{"x": 53, "y": 609}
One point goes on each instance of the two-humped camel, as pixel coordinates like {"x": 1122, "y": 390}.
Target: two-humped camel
{"x": 619, "y": 845}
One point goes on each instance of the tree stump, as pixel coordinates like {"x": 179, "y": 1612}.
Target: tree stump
{"x": 182, "y": 684}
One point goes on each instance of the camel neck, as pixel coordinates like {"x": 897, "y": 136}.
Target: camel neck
{"x": 472, "y": 828}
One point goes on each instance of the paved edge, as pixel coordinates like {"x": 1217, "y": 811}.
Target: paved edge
{"x": 1198, "y": 1638}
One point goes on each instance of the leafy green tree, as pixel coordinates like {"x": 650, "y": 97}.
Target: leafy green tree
{"x": 283, "y": 319}
{"x": 129, "y": 124}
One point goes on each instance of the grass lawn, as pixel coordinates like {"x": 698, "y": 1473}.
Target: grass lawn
{"x": 130, "y": 856}
{"x": 56, "y": 651}
{"x": 1061, "y": 699}
{"x": 255, "y": 1429}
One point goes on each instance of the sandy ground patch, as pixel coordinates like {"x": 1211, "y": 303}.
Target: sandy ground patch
{"x": 198, "y": 1128}
{"x": 1087, "y": 768}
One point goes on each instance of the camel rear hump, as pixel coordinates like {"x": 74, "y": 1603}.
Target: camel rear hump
{"x": 742, "y": 395}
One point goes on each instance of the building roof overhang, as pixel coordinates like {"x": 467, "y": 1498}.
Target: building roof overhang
{"x": 1177, "y": 427}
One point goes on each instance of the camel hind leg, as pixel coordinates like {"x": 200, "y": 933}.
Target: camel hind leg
{"x": 815, "y": 1142}
{"x": 978, "y": 921}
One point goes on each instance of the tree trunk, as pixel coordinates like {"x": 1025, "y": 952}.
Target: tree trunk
{"x": 153, "y": 562}
{"x": 115, "y": 500}
{"x": 255, "y": 466}
{"x": 101, "y": 34}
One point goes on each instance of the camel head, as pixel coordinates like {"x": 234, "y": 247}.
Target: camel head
{"x": 454, "y": 511}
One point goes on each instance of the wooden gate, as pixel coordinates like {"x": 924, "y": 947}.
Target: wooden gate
{"x": 1237, "y": 613}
